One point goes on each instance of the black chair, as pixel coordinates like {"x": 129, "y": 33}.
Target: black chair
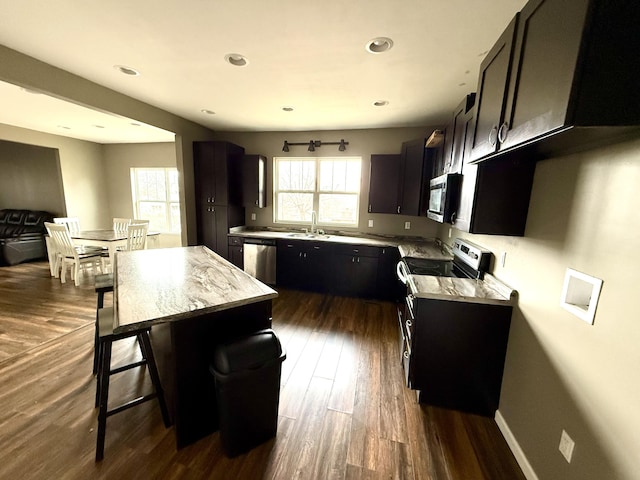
{"x": 104, "y": 284}
{"x": 106, "y": 337}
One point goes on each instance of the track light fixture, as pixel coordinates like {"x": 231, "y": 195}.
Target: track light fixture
{"x": 313, "y": 144}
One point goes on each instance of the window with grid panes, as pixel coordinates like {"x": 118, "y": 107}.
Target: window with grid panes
{"x": 330, "y": 186}
{"x": 156, "y": 198}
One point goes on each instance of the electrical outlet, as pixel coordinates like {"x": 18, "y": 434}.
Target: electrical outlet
{"x": 407, "y": 225}
{"x": 566, "y": 446}
{"x": 253, "y": 216}
{"x": 370, "y": 223}
{"x": 503, "y": 258}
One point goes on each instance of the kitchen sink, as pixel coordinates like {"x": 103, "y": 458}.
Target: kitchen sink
{"x": 307, "y": 235}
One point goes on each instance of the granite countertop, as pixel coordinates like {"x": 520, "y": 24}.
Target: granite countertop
{"x": 170, "y": 284}
{"x": 336, "y": 237}
{"x": 490, "y": 290}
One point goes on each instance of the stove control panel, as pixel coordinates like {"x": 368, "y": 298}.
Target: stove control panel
{"x": 473, "y": 255}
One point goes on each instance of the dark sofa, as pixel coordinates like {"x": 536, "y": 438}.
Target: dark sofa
{"x": 22, "y": 235}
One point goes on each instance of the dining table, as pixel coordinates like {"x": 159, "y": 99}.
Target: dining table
{"x": 110, "y": 239}
{"x": 194, "y": 300}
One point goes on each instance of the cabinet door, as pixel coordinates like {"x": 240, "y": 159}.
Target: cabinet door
{"x": 389, "y": 287}
{"x": 207, "y": 234}
{"x": 288, "y": 264}
{"x": 413, "y": 193}
{"x": 462, "y": 117}
{"x": 384, "y": 184}
{"x": 204, "y": 172}
{"x": 545, "y": 60}
{"x": 236, "y": 255}
{"x": 254, "y": 193}
{"x": 492, "y": 92}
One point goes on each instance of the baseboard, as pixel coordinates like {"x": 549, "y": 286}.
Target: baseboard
{"x": 521, "y": 458}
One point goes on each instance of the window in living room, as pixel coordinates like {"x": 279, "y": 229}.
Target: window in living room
{"x": 329, "y": 186}
{"x": 155, "y": 198}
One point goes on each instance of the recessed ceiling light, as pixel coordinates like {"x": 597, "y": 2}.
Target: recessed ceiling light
{"x": 287, "y": 109}
{"x": 236, "y": 59}
{"x": 134, "y": 124}
{"x": 28, "y": 90}
{"x": 99, "y": 126}
{"x": 380, "y": 103}
{"x": 379, "y": 45}
{"x": 127, "y": 70}
{"x": 208, "y": 112}
{"x": 64, "y": 127}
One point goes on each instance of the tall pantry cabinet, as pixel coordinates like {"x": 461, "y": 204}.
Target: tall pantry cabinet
{"x": 218, "y": 187}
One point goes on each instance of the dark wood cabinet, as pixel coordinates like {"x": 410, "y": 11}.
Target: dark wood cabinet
{"x": 416, "y": 172}
{"x": 384, "y": 183}
{"x": 492, "y": 93}
{"x": 456, "y": 135}
{"x": 217, "y": 167}
{"x": 236, "y": 251}
{"x": 388, "y": 285}
{"x": 456, "y": 352}
{"x": 355, "y": 270}
{"x": 571, "y": 83}
{"x": 403, "y": 178}
{"x": 254, "y": 188}
{"x": 304, "y": 264}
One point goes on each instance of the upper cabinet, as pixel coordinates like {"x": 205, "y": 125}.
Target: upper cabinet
{"x": 561, "y": 69}
{"x": 416, "y": 172}
{"x": 456, "y": 135}
{"x": 384, "y": 181}
{"x": 492, "y": 92}
{"x": 254, "y": 189}
{"x": 397, "y": 182}
{"x": 217, "y": 172}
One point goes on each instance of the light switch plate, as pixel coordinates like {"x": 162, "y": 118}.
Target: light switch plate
{"x": 407, "y": 225}
{"x": 370, "y": 223}
{"x": 253, "y": 216}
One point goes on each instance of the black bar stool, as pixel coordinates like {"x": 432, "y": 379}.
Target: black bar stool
{"x": 106, "y": 337}
{"x": 104, "y": 284}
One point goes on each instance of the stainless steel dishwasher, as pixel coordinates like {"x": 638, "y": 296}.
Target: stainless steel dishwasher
{"x": 260, "y": 259}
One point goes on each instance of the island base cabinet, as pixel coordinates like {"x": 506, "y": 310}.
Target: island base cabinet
{"x": 183, "y": 352}
{"x": 457, "y": 354}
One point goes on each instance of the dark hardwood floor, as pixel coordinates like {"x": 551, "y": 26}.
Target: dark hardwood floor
{"x": 344, "y": 412}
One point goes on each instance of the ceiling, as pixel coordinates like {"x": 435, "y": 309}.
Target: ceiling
{"x": 304, "y": 54}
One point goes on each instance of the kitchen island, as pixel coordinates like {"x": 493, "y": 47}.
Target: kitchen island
{"x": 194, "y": 300}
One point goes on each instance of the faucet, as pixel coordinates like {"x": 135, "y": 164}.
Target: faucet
{"x": 314, "y": 221}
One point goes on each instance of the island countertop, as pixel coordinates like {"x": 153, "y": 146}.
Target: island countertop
{"x": 169, "y": 284}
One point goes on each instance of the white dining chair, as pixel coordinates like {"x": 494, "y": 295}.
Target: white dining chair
{"x": 72, "y": 223}
{"x": 68, "y": 255}
{"x": 137, "y": 236}
{"x": 120, "y": 224}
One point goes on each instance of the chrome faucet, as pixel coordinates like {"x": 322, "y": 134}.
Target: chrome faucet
{"x": 314, "y": 221}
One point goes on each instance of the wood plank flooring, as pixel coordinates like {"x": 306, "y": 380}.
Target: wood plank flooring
{"x": 344, "y": 412}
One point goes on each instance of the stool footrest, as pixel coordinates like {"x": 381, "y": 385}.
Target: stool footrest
{"x": 132, "y": 403}
{"x": 124, "y": 368}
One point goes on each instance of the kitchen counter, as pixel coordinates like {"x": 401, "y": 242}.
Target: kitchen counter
{"x": 170, "y": 284}
{"x": 488, "y": 291}
{"x": 413, "y": 246}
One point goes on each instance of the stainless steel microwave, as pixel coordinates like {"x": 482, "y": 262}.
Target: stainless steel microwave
{"x": 444, "y": 196}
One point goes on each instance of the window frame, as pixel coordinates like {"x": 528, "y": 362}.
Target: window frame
{"x": 136, "y": 200}
{"x": 316, "y": 192}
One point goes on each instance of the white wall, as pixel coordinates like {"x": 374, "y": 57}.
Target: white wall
{"x": 562, "y": 373}
{"x": 119, "y": 159}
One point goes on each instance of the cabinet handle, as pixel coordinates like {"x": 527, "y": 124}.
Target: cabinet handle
{"x": 406, "y": 354}
{"x": 240, "y": 249}
{"x": 493, "y": 136}
{"x": 300, "y": 254}
{"x": 369, "y": 208}
{"x": 358, "y": 259}
{"x": 257, "y": 202}
{"x": 353, "y": 260}
{"x": 398, "y": 208}
{"x": 305, "y": 255}
{"x": 453, "y": 218}
{"x": 502, "y": 133}
{"x": 316, "y": 248}
{"x": 408, "y": 322}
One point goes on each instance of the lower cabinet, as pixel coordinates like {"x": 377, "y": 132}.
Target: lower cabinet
{"x": 454, "y": 352}
{"x": 355, "y": 270}
{"x": 338, "y": 269}
{"x": 236, "y": 251}
{"x": 303, "y": 264}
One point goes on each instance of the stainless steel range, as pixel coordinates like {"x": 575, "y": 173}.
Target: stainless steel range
{"x": 469, "y": 261}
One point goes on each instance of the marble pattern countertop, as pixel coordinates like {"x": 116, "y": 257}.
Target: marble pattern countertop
{"x": 490, "y": 290}
{"x": 170, "y": 284}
